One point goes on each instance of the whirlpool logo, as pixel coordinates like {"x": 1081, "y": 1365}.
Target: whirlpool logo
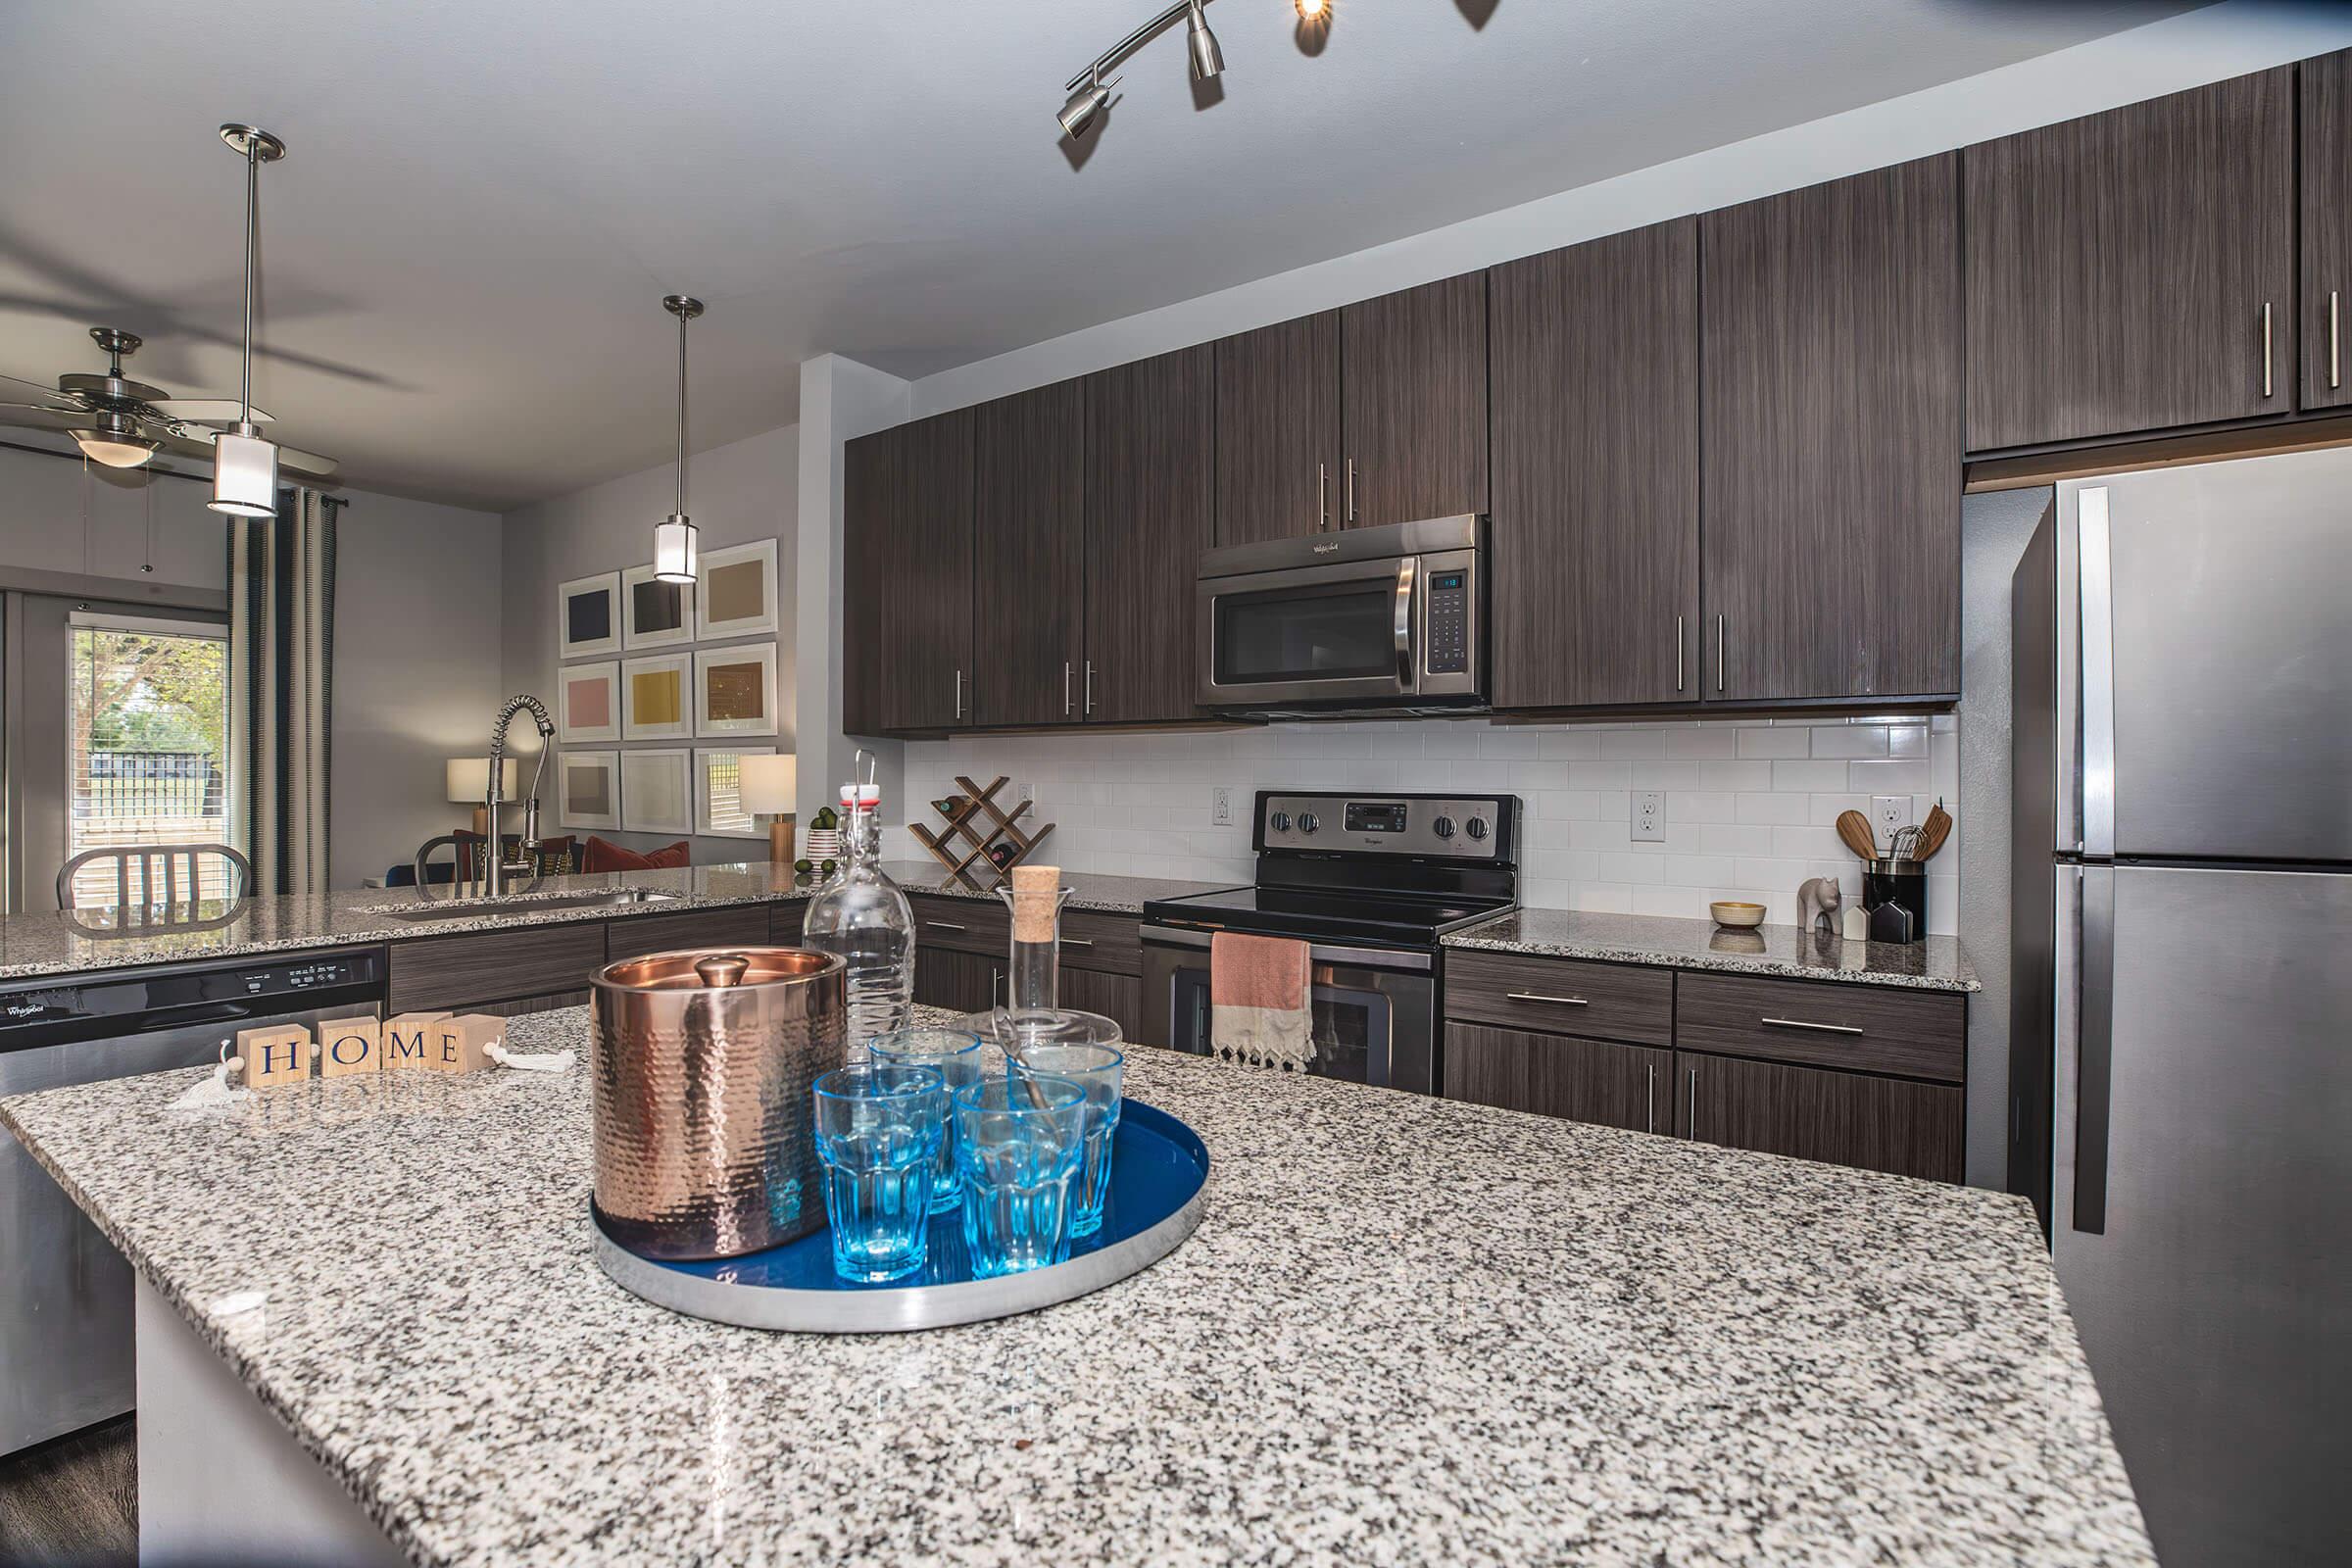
{"x": 1327, "y": 548}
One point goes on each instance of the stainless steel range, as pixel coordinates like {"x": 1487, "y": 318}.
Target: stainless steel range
{"x": 1371, "y": 882}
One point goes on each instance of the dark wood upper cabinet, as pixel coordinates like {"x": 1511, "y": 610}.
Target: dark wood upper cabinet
{"x": 1844, "y": 1118}
{"x": 1413, "y": 385}
{"x": 2135, "y": 269}
{"x": 1029, "y": 528}
{"x": 1557, "y": 1075}
{"x": 907, "y": 571}
{"x": 1150, "y": 474}
{"x": 1829, "y": 440}
{"x": 1278, "y": 431}
{"x": 1595, "y": 522}
{"x": 2326, "y": 229}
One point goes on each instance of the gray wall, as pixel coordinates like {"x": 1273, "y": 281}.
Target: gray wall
{"x": 416, "y": 614}
{"x": 737, "y": 493}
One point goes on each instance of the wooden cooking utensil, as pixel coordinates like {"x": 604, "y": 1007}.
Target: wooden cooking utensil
{"x": 1932, "y": 832}
{"x": 1854, "y": 828}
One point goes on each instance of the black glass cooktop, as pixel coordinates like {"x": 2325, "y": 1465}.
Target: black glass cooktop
{"x": 1396, "y": 919}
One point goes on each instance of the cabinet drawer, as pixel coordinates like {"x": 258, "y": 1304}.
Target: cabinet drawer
{"x": 467, "y": 969}
{"x": 1111, "y": 943}
{"x": 969, "y": 925}
{"x": 1919, "y": 1034}
{"x": 737, "y": 926}
{"x": 1564, "y": 996}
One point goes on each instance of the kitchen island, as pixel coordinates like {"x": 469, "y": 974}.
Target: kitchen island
{"x": 1407, "y": 1330}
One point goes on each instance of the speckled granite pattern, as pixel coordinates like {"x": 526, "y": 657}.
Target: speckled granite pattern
{"x": 1936, "y": 964}
{"x": 36, "y": 945}
{"x": 1407, "y": 1332}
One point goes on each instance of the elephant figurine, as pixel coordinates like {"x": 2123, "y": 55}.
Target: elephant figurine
{"x": 1817, "y": 904}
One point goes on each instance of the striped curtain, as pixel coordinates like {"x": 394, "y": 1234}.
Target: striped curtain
{"x": 281, "y": 654}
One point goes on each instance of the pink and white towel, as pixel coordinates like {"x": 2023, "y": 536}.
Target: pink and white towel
{"x": 1259, "y": 990}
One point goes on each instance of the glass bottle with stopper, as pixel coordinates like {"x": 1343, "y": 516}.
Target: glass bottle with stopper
{"x": 862, "y": 916}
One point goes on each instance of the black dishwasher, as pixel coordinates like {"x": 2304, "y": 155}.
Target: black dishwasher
{"x": 65, "y": 1291}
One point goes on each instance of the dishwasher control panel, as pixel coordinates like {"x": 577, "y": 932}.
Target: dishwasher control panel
{"x": 235, "y": 993}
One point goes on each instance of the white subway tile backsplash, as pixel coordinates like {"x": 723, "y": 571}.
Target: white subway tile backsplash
{"x": 1749, "y": 803}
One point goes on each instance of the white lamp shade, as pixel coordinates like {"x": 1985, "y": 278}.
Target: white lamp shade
{"x": 244, "y": 475}
{"x": 469, "y": 778}
{"x": 766, "y": 785}
{"x": 675, "y": 552}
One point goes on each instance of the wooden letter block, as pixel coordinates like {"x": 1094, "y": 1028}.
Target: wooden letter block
{"x": 281, "y": 1054}
{"x": 459, "y": 1042}
{"x": 350, "y": 1046}
{"x": 412, "y": 1040}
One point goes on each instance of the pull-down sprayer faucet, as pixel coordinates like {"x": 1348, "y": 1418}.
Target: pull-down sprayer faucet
{"x": 494, "y": 857}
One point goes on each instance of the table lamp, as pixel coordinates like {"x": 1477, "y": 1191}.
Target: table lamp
{"x": 765, "y": 784}
{"x": 470, "y": 780}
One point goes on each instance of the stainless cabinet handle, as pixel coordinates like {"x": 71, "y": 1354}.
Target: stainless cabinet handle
{"x": 2266, "y": 348}
{"x": 2335, "y": 339}
{"x": 1322, "y": 508}
{"x": 1677, "y": 652}
{"x": 1352, "y": 489}
{"x": 1719, "y": 663}
{"x": 1799, "y": 1023}
{"x": 1076, "y": 942}
{"x": 1068, "y": 703}
{"x": 944, "y": 925}
{"x": 959, "y": 693}
{"x": 1649, "y": 1103}
{"x": 1532, "y": 996}
{"x": 1090, "y": 686}
{"x": 996, "y": 984}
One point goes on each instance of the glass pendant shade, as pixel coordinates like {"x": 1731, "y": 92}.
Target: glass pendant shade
{"x": 244, "y": 475}
{"x": 115, "y": 452}
{"x": 674, "y": 548}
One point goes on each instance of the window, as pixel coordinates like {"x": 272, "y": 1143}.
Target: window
{"x": 147, "y": 746}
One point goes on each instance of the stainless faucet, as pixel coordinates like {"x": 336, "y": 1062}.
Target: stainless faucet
{"x": 494, "y": 857}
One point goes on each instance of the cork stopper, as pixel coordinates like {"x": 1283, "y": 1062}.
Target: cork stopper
{"x": 1036, "y": 901}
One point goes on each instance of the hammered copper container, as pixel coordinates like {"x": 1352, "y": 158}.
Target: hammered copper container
{"x": 702, "y": 1065}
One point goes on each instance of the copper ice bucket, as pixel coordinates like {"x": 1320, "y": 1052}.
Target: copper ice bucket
{"x": 701, "y": 1065}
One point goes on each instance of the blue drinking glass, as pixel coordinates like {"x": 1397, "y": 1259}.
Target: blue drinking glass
{"x": 879, "y": 1126}
{"x": 1017, "y": 1150}
{"x": 956, "y": 1052}
{"x": 1097, "y": 1069}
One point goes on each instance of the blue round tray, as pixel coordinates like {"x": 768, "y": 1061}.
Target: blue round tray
{"x": 1159, "y": 1168}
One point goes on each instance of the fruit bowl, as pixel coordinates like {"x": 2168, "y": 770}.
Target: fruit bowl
{"x": 1737, "y": 915}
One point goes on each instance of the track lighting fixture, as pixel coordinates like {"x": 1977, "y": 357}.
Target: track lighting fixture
{"x": 1077, "y": 117}
{"x": 1314, "y": 9}
{"x": 1090, "y": 94}
{"x": 1209, "y": 61}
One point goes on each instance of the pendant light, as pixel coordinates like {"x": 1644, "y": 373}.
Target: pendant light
{"x": 244, "y": 465}
{"x": 675, "y": 552}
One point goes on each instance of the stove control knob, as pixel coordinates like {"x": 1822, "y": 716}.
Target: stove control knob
{"x": 1307, "y": 822}
{"x": 1477, "y": 828}
{"x": 1443, "y": 827}
{"x": 1280, "y": 821}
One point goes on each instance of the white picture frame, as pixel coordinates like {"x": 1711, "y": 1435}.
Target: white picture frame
{"x": 574, "y": 801}
{"x": 576, "y": 708}
{"x": 708, "y": 661}
{"x": 736, "y": 563}
{"x": 656, "y": 794}
{"x": 605, "y": 585}
{"x": 739, "y": 823}
{"x": 639, "y": 678}
{"x": 636, "y": 635}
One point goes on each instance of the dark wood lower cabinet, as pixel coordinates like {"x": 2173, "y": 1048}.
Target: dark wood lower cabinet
{"x": 465, "y": 971}
{"x": 743, "y": 925}
{"x": 966, "y": 982}
{"x": 1560, "y": 1075}
{"x": 1844, "y": 1118}
{"x": 1118, "y": 997}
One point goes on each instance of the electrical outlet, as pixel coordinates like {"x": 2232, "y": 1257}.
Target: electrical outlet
{"x": 1220, "y": 807}
{"x": 1889, "y": 814}
{"x": 1650, "y": 816}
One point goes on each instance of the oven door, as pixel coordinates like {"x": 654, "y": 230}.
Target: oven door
{"x": 1339, "y": 633}
{"x": 1375, "y": 1009}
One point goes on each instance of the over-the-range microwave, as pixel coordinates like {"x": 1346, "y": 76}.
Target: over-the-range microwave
{"x": 1387, "y": 619}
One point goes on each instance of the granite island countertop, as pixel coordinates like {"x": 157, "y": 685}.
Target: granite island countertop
{"x": 1936, "y": 965}
{"x": 52, "y": 944}
{"x": 1407, "y": 1330}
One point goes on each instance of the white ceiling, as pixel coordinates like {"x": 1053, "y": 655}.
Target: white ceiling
{"x": 484, "y": 199}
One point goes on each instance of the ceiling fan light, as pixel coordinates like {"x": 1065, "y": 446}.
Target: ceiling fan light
{"x": 675, "y": 556}
{"x": 244, "y": 475}
{"x": 115, "y": 451}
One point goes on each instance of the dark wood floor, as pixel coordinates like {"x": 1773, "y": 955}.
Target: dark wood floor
{"x": 74, "y": 1502}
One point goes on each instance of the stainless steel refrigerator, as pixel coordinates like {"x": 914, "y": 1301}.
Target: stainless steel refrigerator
{"x": 2182, "y": 1030}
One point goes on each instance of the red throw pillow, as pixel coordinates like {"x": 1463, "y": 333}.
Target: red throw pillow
{"x": 602, "y": 855}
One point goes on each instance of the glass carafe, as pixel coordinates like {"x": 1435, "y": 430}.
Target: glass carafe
{"x": 1033, "y": 1009}
{"x": 862, "y": 916}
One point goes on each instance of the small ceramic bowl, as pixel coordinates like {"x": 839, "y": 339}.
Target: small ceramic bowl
{"x": 1736, "y": 915}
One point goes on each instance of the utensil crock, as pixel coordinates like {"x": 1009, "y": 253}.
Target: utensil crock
{"x": 701, "y": 1066}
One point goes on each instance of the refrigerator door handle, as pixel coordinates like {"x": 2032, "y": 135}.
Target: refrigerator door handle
{"x": 2094, "y": 1047}
{"x": 2093, "y": 562}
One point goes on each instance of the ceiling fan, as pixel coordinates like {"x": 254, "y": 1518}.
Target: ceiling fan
{"x": 122, "y": 423}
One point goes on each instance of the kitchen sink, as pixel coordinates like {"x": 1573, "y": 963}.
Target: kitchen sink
{"x": 519, "y": 903}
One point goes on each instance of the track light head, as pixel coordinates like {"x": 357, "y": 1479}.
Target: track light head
{"x": 1314, "y": 9}
{"x": 1085, "y": 107}
{"x": 1209, "y": 61}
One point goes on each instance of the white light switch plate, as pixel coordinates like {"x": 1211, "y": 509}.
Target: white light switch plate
{"x": 1650, "y": 816}
{"x": 1887, "y": 814}
{"x": 1220, "y": 807}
